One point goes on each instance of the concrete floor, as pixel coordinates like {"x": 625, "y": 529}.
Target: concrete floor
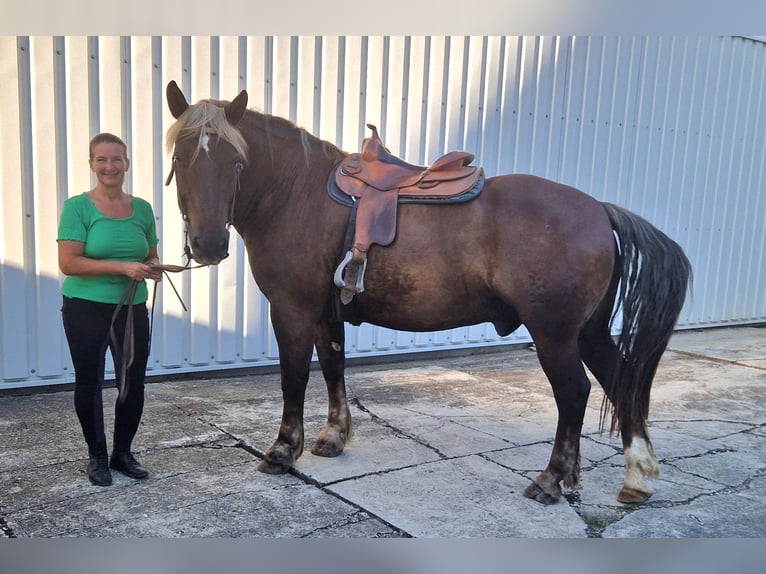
{"x": 442, "y": 448}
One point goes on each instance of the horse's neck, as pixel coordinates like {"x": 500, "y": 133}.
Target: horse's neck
{"x": 281, "y": 175}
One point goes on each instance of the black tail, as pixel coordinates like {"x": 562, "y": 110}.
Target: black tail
{"x": 654, "y": 278}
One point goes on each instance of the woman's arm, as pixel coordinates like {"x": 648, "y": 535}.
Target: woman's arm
{"x": 72, "y": 261}
{"x": 153, "y": 257}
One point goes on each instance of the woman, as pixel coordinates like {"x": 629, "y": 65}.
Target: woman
{"x": 106, "y": 240}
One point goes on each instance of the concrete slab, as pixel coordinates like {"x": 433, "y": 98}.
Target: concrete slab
{"x": 443, "y": 446}
{"x": 743, "y": 345}
{"x": 463, "y": 497}
{"x": 738, "y": 513}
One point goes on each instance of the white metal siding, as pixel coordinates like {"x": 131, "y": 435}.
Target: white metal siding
{"x": 672, "y": 128}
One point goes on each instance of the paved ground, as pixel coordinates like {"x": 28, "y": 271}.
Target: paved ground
{"x": 443, "y": 447}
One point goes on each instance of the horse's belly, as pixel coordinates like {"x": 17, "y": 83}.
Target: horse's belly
{"x": 425, "y": 298}
{"x": 408, "y": 318}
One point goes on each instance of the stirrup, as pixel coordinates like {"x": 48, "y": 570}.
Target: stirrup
{"x": 355, "y": 282}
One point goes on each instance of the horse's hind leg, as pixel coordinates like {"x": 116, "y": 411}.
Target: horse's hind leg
{"x": 329, "y": 342}
{"x": 562, "y": 364}
{"x": 602, "y": 358}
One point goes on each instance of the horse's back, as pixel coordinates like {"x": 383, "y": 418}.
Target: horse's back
{"x": 516, "y": 216}
{"x": 532, "y": 197}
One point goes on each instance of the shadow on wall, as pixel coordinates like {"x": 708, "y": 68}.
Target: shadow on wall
{"x": 34, "y": 351}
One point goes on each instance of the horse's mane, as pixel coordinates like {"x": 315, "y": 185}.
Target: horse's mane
{"x": 282, "y": 128}
{"x": 200, "y": 119}
{"x": 208, "y": 116}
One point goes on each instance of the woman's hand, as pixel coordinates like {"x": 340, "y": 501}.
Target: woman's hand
{"x": 141, "y": 271}
{"x": 154, "y": 273}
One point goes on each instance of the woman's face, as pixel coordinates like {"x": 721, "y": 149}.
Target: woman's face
{"x": 109, "y": 164}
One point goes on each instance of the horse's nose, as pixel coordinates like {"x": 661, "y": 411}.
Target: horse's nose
{"x": 210, "y": 249}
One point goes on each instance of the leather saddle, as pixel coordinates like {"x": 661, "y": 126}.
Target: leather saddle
{"x": 374, "y": 182}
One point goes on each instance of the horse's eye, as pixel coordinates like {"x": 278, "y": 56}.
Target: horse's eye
{"x": 238, "y": 166}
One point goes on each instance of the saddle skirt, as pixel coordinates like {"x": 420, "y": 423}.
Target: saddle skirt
{"x": 374, "y": 182}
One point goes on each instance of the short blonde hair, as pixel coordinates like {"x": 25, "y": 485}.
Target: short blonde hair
{"x": 106, "y": 137}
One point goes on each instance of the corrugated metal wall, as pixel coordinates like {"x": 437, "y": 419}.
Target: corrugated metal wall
{"x": 672, "y": 128}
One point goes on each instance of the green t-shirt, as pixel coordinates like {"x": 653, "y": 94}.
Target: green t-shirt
{"x": 110, "y": 239}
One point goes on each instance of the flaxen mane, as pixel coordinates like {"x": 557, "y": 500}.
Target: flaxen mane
{"x": 204, "y": 118}
{"x": 207, "y": 116}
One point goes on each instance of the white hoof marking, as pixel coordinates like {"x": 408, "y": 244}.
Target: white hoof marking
{"x": 640, "y": 463}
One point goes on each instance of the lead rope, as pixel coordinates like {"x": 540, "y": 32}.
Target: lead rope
{"x": 127, "y": 349}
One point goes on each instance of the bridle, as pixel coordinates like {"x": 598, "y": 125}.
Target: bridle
{"x": 238, "y": 167}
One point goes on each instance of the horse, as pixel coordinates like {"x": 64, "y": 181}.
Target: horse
{"x": 525, "y": 251}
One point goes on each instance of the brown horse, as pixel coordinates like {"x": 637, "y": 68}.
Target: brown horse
{"x": 525, "y": 251}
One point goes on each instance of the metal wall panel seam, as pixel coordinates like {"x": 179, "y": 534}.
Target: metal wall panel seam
{"x": 702, "y": 255}
{"x": 26, "y": 146}
{"x": 171, "y": 58}
{"x": 758, "y": 283}
{"x": 46, "y": 352}
{"x": 14, "y": 69}
{"x": 742, "y": 291}
{"x": 718, "y": 135}
{"x": 739, "y": 216}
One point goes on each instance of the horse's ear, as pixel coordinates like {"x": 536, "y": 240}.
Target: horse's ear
{"x": 236, "y": 109}
{"x": 176, "y": 99}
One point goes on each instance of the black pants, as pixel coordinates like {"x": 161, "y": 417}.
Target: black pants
{"x": 87, "y": 324}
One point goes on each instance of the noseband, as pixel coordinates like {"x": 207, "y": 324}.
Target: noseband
{"x": 238, "y": 166}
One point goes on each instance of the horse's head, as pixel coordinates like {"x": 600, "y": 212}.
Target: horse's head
{"x": 209, "y": 154}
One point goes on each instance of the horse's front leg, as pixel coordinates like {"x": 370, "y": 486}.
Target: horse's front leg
{"x": 330, "y": 343}
{"x": 295, "y": 340}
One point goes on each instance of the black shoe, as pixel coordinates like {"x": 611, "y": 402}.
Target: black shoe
{"x": 98, "y": 468}
{"x": 125, "y": 463}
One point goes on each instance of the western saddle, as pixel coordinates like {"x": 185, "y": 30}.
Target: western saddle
{"x": 374, "y": 182}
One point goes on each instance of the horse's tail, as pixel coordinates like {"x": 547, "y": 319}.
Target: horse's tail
{"x": 654, "y": 275}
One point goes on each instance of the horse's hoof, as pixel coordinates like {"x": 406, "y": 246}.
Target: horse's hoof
{"x": 535, "y": 492}
{"x": 326, "y": 448}
{"x": 280, "y": 457}
{"x": 273, "y": 467}
{"x": 632, "y": 496}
